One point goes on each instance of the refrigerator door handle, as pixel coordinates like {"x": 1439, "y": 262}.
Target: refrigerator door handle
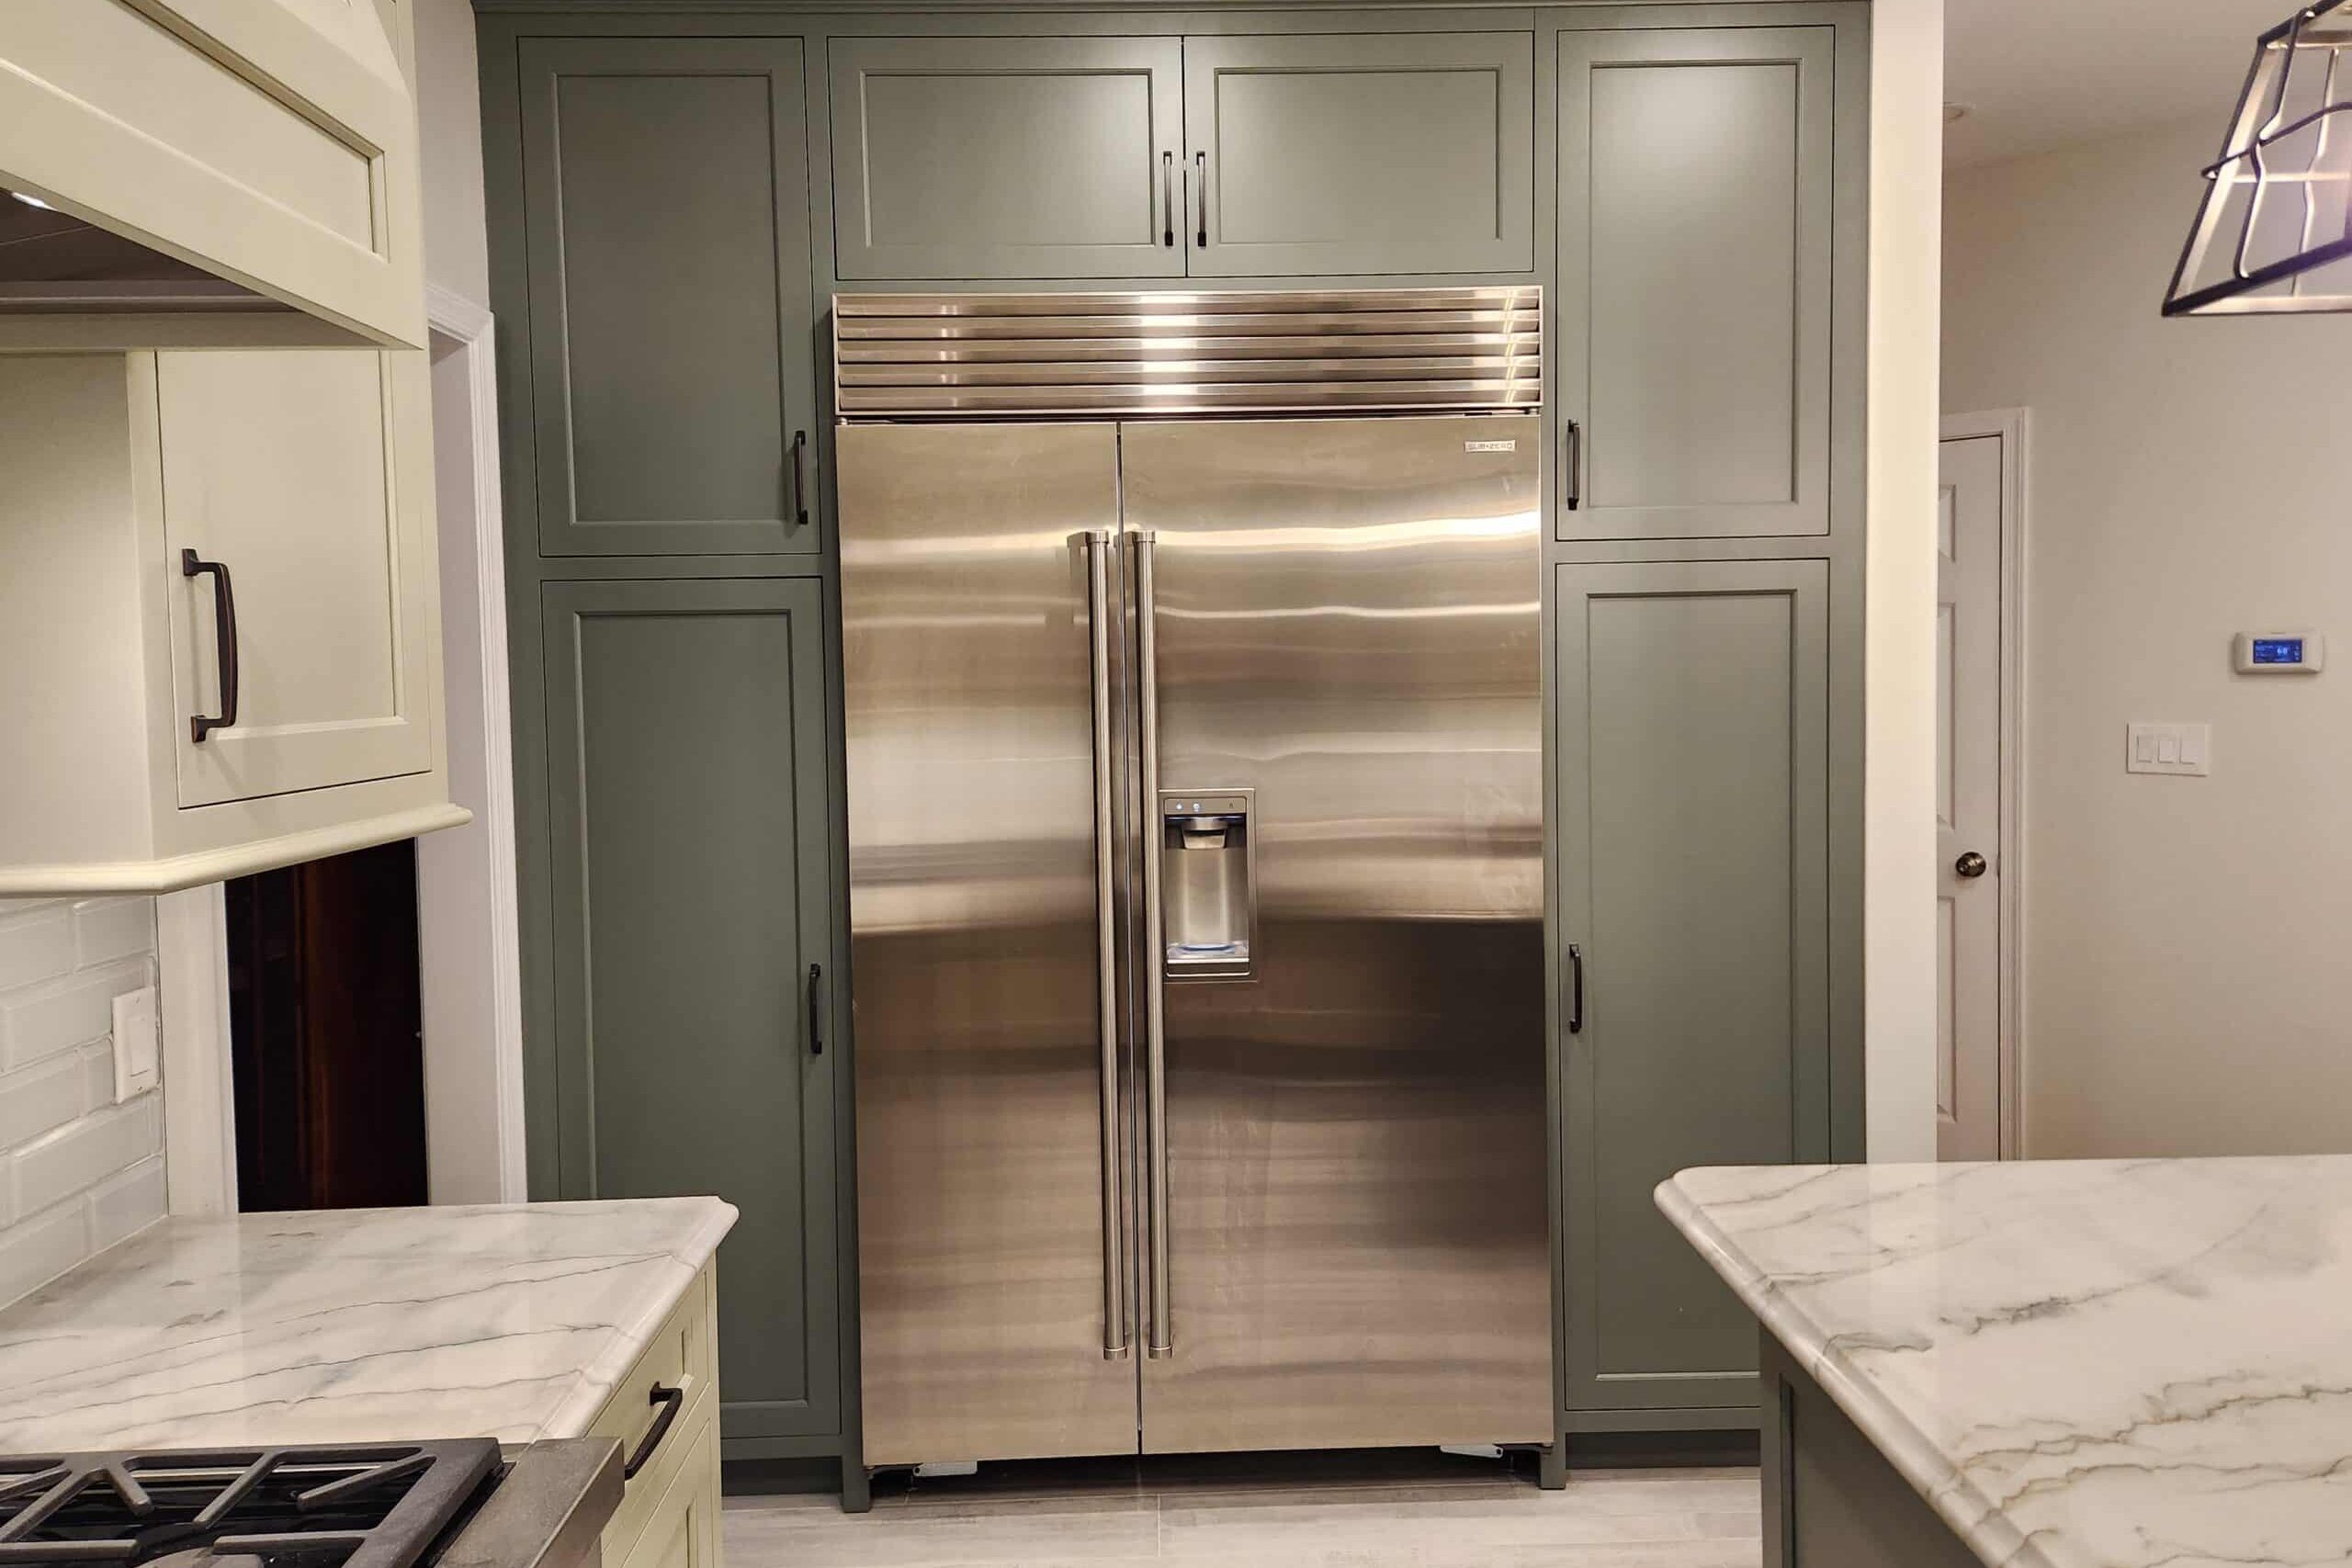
{"x": 1106, "y": 949}
{"x": 1155, "y": 941}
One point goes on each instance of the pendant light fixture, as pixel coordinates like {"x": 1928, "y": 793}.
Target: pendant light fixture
{"x": 2274, "y": 233}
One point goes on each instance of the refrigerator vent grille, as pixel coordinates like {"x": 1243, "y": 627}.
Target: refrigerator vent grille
{"x": 1118, "y": 355}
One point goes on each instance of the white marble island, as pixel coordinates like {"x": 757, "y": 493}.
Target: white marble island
{"x": 2141, "y": 1364}
{"x": 513, "y": 1322}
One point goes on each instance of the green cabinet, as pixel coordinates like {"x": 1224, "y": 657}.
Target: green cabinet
{"x": 1692, "y": 819}
{"x": 673, "y": 376}
{"x": 1338, "y": 153}
{"x": 692, "y": 934}
{"x": 1697, "y": 248}
{"x": 1006, "y": 157}
{"x": 1306, "y": 154}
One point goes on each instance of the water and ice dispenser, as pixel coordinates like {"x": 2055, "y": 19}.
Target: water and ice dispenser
{"x": 1208, "y": 883}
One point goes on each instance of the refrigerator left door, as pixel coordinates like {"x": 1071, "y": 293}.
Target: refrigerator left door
{"x": 991, "y": 1225}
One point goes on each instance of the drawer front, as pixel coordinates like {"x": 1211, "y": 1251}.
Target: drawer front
{"x": 679, "y": 1358}
{"x": 682, "y": 1530}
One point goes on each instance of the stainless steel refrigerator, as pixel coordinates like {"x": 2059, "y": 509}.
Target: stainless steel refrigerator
{"x": 1191, "y": 648}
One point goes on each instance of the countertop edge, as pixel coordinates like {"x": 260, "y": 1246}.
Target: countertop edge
{"x": 599, "y": 1378}
{"x": 1974, "y": 1517}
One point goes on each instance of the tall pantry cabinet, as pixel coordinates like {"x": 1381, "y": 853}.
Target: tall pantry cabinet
{"x": 676, "y": 196}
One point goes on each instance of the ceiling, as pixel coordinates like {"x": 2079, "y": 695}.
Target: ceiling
{"x": 2041, "y": 74}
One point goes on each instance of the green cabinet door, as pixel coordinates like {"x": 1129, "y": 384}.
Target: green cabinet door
{"x": 687, "y": 810}
{"x": 1696, "y": 248}
{"x": 1006, "y": 157}
{"x": 1335, "y": 154}
{"x": 672, "y": 382}
{"x": 1693, "y": 833}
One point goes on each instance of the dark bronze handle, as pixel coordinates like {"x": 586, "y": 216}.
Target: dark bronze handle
{"x": 1576, "y": 989}
{"x": 1201, "y": 164}
{"x": 816, "y": 1020}
{"x": 800, "y": 479}
{"x": 1571, "y": 465}
{"x": 1168, "y": 199}
{"x": 1970, "y": 867}
{"x": 224, "y": 630}
{"x": 671, "y": 1400}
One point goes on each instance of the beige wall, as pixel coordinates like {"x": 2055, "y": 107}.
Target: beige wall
{"x": 2189, "y": 984}
{"x": 449, "y": 113}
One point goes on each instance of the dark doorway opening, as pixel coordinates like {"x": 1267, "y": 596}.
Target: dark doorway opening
{"x": 326, "y": 1033}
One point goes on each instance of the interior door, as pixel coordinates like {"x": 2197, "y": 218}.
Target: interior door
{"x": 290, "y": 470}
{"x": 1968, "y": 800}
{"x": 687, "y": 798}
{"x": 1346, "y": 621}
{"x": 992, "y": 1296}
{"x": 1693, "y": 816}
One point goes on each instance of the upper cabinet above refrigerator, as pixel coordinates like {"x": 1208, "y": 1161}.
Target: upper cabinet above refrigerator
{"x": 202, "y": 172}
{"x": 1288, "y": 155}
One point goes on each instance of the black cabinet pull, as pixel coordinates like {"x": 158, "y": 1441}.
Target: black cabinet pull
{"x": 1571, "y": 465}
{"x": 1168, "y": 199}
{"x": 1576, "y": 989}
{"x": 1201, "y": 164}
{"x": 224, "y": 630}
{"x": 816, "y": 1019}
{"x": 801, "y": 478}
{"x": 669, "y": 1400}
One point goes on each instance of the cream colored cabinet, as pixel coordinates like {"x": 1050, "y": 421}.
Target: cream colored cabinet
{"x": 669, "y": 1512}
{"x": 219, "y": 611}
{"x": 268, "y": 144}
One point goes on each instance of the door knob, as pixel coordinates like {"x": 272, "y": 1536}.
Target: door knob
{"x": 1970, "y": 866}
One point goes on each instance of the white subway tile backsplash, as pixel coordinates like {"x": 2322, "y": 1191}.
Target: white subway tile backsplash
{"x": 38, "y": 1250}
{"x": 108, "y": 928}
{"x": 77, "y": 1171}
{"x": 36, "y": 943}
{"x": 39, "y": 1099}
{"x": 126, "y": 1204}
{"x": 60, "y": 1014}
{"x": 75, "y": 1158}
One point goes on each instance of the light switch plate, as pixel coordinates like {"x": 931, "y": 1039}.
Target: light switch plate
{"x": 136, "y": 1042}
{"x": 2184, "y": 751}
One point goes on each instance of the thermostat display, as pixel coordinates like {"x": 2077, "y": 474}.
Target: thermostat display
{"x": 2279, "y": 653}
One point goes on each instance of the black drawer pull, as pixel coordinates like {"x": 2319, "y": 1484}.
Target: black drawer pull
{"x": 1575, "y": 992}
{"x": 224, "y": 630}
{"x": 816, "y": 1012}
{"x": 671, "y": 1400}
{"x": 800, "y": 479}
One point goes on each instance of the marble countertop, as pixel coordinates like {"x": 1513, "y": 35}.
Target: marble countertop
{"x": 507, "y": 1321}
{"x": 2117, "y": 1363}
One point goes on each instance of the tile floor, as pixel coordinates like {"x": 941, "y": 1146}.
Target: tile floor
{"x": 1422, "y": 1512}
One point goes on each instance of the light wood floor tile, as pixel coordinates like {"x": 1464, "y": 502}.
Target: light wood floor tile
{"x": 1219, "y": 1518}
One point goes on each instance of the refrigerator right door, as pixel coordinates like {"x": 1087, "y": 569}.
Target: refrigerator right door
{"x": 1345, "y": 619}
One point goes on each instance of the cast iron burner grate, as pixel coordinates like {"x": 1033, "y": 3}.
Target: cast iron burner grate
{"x": 376, "y": 1505}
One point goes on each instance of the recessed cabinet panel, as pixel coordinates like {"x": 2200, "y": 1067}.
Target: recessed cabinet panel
{"x": 686, "y": 752}
{"x": 1693, "y": 823}
{"x": 1396, "y": 154}
{"x": 1006, "y": 157}
{"x": 285, "y": 474}
{"x": 670, "y": 295}
{"x": 1694, "y": 282}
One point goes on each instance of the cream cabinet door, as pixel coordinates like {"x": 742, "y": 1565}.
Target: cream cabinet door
{"x": 683, "y": 1531}
{"x": 296, "y": 474}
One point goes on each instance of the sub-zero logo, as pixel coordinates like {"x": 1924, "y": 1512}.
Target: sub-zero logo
{"x": 1491, "y": 445}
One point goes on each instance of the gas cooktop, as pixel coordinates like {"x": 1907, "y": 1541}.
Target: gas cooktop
{"x": 372, "y": 1505}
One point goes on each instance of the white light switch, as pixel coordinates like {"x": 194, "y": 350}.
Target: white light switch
{"x": 2182, "y": 750}
{"x": 136, "y": 1042}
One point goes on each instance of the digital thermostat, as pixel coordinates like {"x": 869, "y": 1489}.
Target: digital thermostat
{"x": 2279, "y": 653}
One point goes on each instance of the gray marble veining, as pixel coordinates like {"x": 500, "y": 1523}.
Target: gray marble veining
{"x": 2129, "y": 1364}
{"x": 512, "y": 1322}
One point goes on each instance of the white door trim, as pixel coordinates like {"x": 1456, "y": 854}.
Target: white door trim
{"x": 2014, "y": 428}
{"x": 460, "y": 322}
{"x": 200, "y": 1082}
